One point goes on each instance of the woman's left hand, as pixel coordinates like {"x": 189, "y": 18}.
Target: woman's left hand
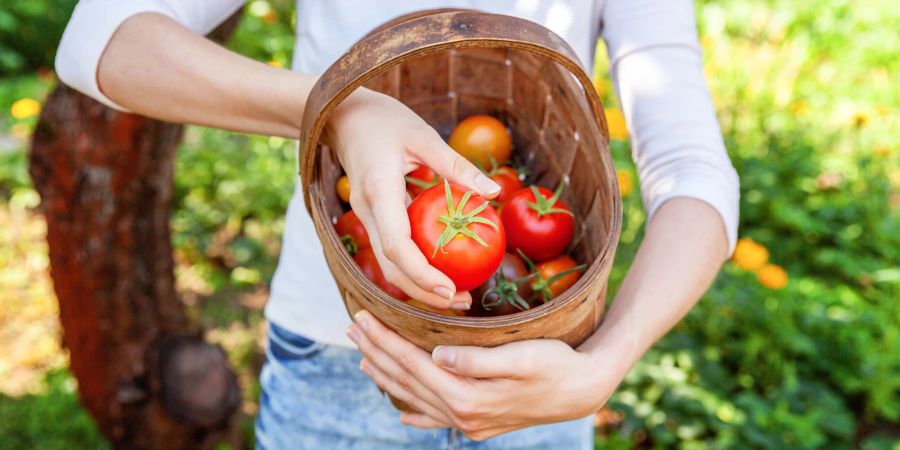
{"x": 482, "y": 392}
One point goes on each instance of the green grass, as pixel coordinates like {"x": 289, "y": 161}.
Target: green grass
{"x": 808, "y": 99}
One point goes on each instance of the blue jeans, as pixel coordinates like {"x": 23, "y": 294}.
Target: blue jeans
{"x": 315, "y": 397}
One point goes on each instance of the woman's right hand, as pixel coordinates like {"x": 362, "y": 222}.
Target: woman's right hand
{"x": 378, "y": 141}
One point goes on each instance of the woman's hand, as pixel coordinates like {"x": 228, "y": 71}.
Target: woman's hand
{"x": 378, "y": 141}
{"x": 482, "y": 392}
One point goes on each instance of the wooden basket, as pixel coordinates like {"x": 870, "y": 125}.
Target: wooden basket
{"x": 449, "y": 64}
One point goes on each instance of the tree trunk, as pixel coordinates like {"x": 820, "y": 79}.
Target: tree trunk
{"x": 144, "y": 372}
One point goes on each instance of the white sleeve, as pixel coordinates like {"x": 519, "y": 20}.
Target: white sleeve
{"x": 677, "y": 145}
{"x": 94, "y": 21}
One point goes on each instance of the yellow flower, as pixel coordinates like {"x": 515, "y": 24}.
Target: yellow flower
{"x": 772, "y": 276}
{"x": 749, "y": 255}
{"x": 799, "y": 107}
{"x": 600, "y": 86}
{"x": 860, "y": 119}
{"x": 625, "y": 182}
{"x": 275, "y": 63}
{"x": 25, "y": 107}
{"x": 882, "y": 151}
{"x": 615, "y": 120}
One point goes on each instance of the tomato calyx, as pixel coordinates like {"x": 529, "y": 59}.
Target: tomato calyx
{"x": 422, "y": 183}
{"x": 457, "y": 223}
{"x": 350, "y": 244}
{"x": 541, "y": 286}
{"x": 506, "y": 291}
{"x": 544, "y": 206}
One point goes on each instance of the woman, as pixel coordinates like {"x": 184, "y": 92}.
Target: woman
{"x": 148, "y": 56}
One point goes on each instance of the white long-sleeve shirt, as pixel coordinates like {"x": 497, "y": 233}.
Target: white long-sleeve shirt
{"x": 655, "y": 61}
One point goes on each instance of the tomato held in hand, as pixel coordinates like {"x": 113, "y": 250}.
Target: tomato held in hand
{"x": 459, "y": 232}
{"x": 369, "y": 265}
{"x": 556, "y": 276}
{"x": 508, "y": 179}
{"x": 483, "y": 140}
{"x": 343, "y": 188}
{"x": 419, "y": 180}
{"x": 352, "y": 233}
{"x": 507, "y": 291}
{"x": 538, "y": 223}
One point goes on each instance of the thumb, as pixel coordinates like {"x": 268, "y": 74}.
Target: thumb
{"x": 451, "y": 165}
{"x": 506, "y": 361}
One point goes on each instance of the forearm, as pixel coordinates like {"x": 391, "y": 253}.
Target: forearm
{"x": 155, "y": 66}
{"x": 683, "y": 248}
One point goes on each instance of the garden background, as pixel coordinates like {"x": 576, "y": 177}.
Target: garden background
{"x": 796, "y": 345}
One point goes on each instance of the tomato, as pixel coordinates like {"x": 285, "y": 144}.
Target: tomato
{"x": 538, "y": 223}
{"x": 506, "y": 292}
{"x": 459, "y": 232}
{"x": 343, "y": 188}
{"x": 483, "y": 140}
{"x": 508, "y": 179}
{"x": 444, "y": 312}
{"x": 419, "y": 180}
{"x": 352, "y": 233}
{"x": 365, "y": 258}
{"x": 556, "y": 276}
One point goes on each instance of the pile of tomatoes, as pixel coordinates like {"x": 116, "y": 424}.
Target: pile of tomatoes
{"x": 509, "y": 251}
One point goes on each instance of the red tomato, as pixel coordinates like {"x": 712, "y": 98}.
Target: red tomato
{"x": 459, "y": 232}
{"x": 483, "y": 140}
{"x": 352, "y": 233}
{"x": 419, "y": 180}
{"x": 556, "y": 276}
{"x": 506, "y": 292}
{"x": 538, "y": 223}
{"x": 509, "y": 182}
{"x": 370, "y": 268}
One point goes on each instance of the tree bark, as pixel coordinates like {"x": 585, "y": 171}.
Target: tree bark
{"x": 144, "y": 372}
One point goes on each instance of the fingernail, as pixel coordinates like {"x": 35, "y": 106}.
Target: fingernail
{"x": 486, "y": 184}
{"x": 461, "y": 306}
{"x": 364, "y": 366}
{"x": 361, "y": 320}
{"x": 444, "y": 356}
{"x": 443, "y": 291}
{"x": 353, "y": 334}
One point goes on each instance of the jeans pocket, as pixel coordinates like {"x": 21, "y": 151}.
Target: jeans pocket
{"x": 287, "y": 346}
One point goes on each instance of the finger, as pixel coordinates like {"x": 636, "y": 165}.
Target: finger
{"x": 409, "y": 269}
{"x": 421, "y": 421}
{"x": 412, "y": 359}
{"x": 389, "y": 385}
{"x": 514, "y": 360}
{"x": 455, "y": 168}
{"x": 386, "y": 363}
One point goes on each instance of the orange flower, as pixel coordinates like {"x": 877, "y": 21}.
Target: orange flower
{"x": 25, "y": 107}
{"x": 625, "y": 182}
{"x": 615, "y": 120}
{"x": 772, "y": 276}
{"x": 749, "y": 255}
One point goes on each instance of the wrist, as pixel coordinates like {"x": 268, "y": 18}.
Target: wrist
{"x": 345, "y": 113}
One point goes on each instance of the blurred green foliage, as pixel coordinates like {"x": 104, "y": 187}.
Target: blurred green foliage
{"x": 808, "y": 101}
{"x": 29, "y": 33}
{"x": 52, "y": 420}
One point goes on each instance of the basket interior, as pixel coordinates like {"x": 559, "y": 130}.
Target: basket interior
{"x": 555, "y": 134}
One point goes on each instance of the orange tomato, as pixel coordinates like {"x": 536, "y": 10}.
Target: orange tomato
{"x": 343, "y": 188}
{"x": 483, "y": 140}
{"x": 556, "y": 276}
